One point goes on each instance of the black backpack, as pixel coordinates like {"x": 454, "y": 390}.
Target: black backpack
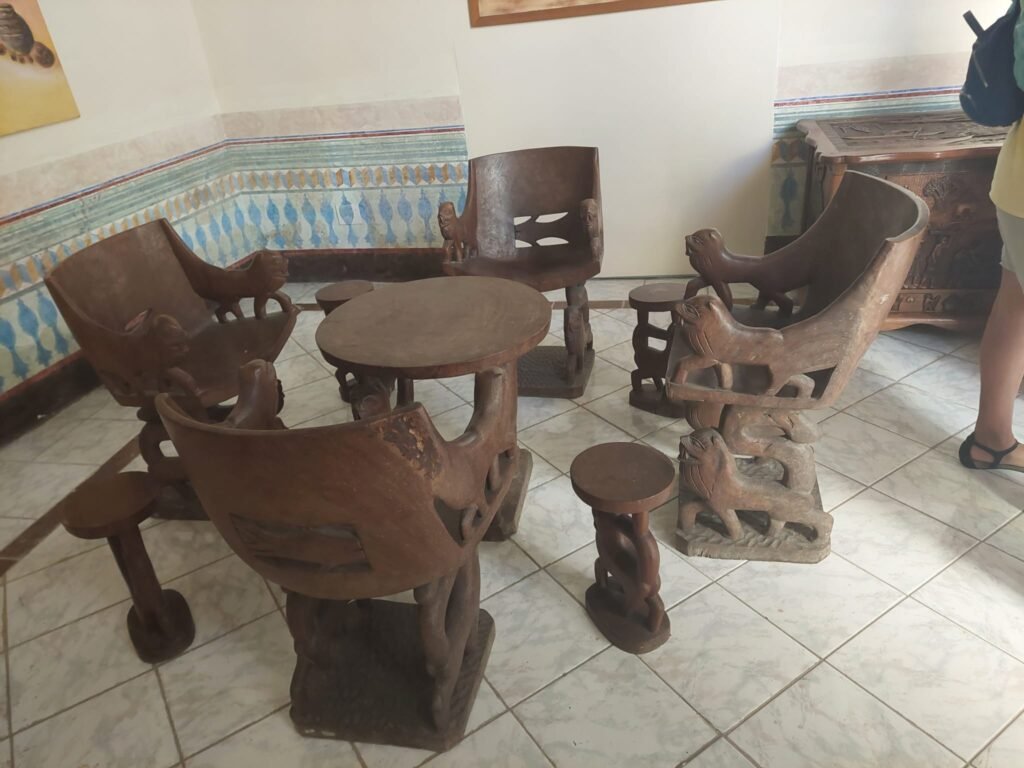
{"x": 990, "y": 95}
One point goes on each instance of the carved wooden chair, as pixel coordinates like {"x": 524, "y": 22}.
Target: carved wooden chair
{"x": 338, "y": 515}
{"x": 153, "y": 317}
{"x": 534, "y": 216}
{"x": 747, "y": 375}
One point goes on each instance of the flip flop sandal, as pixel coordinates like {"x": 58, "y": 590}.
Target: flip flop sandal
{"x": 997, "y": 456}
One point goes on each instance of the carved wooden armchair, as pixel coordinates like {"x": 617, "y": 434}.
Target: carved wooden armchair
{"x": 746, "y": 375}
{"x": 534, "y": 216}
{"x": 153, "y": 317}
{"x": 341, "y": 514}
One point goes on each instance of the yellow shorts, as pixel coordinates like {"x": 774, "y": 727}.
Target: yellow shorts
{"x": 1011, "y": 229}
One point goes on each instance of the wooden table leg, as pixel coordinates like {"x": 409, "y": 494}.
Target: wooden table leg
{"x": 516, "y": 461}
{"x": 159, "y": 622}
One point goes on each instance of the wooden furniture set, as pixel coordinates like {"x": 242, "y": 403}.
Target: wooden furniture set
{"x": 343, "y": 516}
{"x": 947, "y": 160}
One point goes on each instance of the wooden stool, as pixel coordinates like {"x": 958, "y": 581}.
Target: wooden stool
{"x": 623, "y": 482}
{"x": 159, "y": 621}
{"x": 652, "y": 363}
{"x": 331, "y": 297}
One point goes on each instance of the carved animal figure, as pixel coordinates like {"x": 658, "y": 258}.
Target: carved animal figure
{"x": 259, "y": 395}
{"x": 718, "y": 342}
{"x": 718, "y": 266}
{"x": 265, "y": 275}
{"x": 18, "y": 42}
{"x": 453, "y": 230}
{"x": 708, "y": 468}
{"x": 590, "y": 212}
{"x": 744, "y": 431}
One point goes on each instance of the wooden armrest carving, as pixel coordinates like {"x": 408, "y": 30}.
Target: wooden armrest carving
{"x": 773, "y": 275}
{"x": 458, "y": 243}
{"x": 261, "y": 280}
{"x": 259, "y": 396}
{"x": 590, "y": 213}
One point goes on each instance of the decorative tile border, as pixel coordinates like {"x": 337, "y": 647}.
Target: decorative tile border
{"x": 377, "y": 188}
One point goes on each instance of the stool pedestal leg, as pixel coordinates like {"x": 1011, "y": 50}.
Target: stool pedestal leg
{"x": 159, "y": 622}
{"x": 624, "y": 602}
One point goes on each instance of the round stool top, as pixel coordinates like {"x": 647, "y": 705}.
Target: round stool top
{"x": 622, "y": 478}
{"x": 334, "y": 295}
{"x": 106, "y": 506}
{"x": 657, "y": 297}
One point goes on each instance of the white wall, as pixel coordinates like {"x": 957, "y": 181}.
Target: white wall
{"x": 268, "y": 54}
{"x": 134, "y": 66}
{"x": 683, "y": 124}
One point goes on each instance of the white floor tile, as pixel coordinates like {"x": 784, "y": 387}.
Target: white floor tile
{"x": 725, "y": 659}
{"x": 897, "y": 544}
{"x": 224, "y": 685}
{"x": 951, "y": 379}
{"x": 605, "y": 378}
{"x": 31, "y": 489}
{"x": 953, "y": 685}
{"x": 540, "y": 634}
{"x": 1007, "y": 751}
{"x": 561, "y": 439}
{"x": 554, "y": 522}
{"x": 179, "y": 546}
{"x": 126, "y": 727}
{"x": 638, "y": 423}
{"x": 920, "y": 416}
{"x": 613, "y": 711}
{"x": 620, "y": 355}
{"x": 721, "y": 754}
{"x": 825, "y": 720}
{"x": 861, "y": 384}
{"x": 502, "y": 563}
{"x": 501, "y": 743}
{"x": 894, "y": 358}
{"x": 820, "y": 605}
{"x": 90, "y": 442}
{"x": 862, "y": 451}
{"x": 984, "y": 592}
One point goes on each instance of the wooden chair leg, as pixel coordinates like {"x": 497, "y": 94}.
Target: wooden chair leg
{"x": 159, "y": 622}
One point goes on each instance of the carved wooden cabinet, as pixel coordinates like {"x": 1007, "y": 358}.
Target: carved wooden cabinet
{"x": 946, "y": 159}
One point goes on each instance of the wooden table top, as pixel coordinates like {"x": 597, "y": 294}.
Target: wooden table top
{"x": 435, "y": 328}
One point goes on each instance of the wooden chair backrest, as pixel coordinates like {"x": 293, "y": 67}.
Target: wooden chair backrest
{"x": 112, "y": 281}
{"x": 339, "y": 512}
{"x": 531, "y": 182}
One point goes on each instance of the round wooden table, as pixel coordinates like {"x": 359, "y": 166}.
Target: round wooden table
{"x": 439, "y": 328}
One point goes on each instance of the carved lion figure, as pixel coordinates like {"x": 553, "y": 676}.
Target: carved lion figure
{"x": 718, "y": 341}
{"x": 708, "y": 468}
{"x": 718, "y": 267}
{"x": 590, "y": 213}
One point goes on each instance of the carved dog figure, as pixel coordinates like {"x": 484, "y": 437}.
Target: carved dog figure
{"x": 719, "y": 341}
{"x": 708, "y": 468}
{"x": 718, "y": 266}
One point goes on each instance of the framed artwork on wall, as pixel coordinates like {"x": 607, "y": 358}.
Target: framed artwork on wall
{"x": 33, "y": 88}
{"x": 484, "y": 13}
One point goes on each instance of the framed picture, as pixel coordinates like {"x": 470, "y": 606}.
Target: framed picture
{"x": 484, "y": 13}
{"x": 33, "y": 89}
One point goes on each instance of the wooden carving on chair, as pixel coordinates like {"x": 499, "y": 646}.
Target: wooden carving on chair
{"x": 153, "y": 317}
{"x": 343, "y": 515}
{"x": 748, "y": 488}
{"x": 534, "y": 216}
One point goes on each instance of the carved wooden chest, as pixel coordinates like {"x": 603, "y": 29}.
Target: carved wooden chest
{"x": 948, "y": 161}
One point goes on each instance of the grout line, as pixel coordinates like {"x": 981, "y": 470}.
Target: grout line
{"x": 170, "y": 719}
{"x": 236, "y": 731}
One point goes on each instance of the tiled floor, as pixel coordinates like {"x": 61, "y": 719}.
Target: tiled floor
{"x": 904, "y": 648}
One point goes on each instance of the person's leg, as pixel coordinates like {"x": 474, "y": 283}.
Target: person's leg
{"x": 1002, "y": 352}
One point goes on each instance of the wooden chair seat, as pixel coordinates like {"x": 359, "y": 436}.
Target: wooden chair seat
{"x": 105, "y": 507}
{"x": 220, "y": 349}
{"x": 543, "y": 269}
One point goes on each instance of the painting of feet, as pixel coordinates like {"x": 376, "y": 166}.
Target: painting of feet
{"x": 487, "y": 12}
{"x": 33, "y": 89}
